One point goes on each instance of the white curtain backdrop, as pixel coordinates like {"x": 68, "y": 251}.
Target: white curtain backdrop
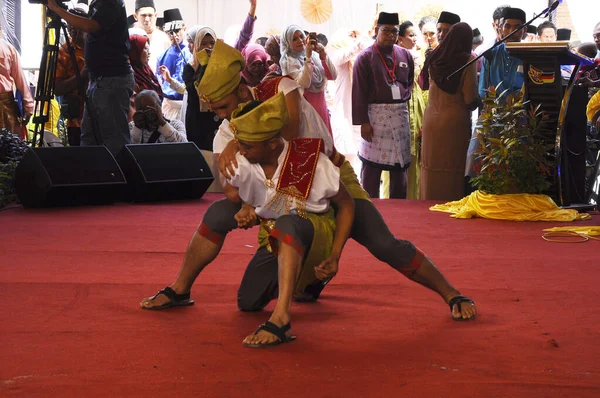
{"x": 356, "y": 14}
{"x": 584, "y": 17}
{"x": 277, "y": 14}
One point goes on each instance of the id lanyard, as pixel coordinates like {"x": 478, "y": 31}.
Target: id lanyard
{"x": 392, "y": 73}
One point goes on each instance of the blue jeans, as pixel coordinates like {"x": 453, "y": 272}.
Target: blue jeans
{"x": 108, "y": 102}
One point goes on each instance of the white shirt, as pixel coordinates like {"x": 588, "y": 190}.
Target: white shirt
{"x": 159, "y": 41}
{"x": 250, "y": 179}
{"x": 311, "y": 124}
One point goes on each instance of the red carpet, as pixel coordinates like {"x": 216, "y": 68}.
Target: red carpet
{"x": 71, "y": 280}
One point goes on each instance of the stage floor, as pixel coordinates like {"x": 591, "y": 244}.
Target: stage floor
{"x": 71, "y": 280}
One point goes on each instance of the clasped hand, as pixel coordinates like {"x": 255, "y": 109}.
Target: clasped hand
{"x": 246, "y": 217}
{"x": 328, "y": 268}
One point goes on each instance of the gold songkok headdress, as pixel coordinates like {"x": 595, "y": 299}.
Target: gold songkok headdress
{"x": 222, "y": 74}
{"x": 261, "y": 123}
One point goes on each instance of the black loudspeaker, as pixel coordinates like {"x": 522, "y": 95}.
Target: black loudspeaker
{"x": 64, "y": 176}
{"x": 164, "y": 171}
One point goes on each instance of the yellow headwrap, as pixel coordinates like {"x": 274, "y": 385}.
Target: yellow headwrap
{"x": 261, "y": 123}
{"x": 222, "y": 74}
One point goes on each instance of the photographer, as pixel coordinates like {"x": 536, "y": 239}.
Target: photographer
{"x": 111, "y": 78}
{"x": 150, "y": 126}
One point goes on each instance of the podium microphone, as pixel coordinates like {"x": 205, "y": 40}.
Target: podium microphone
{"x": 552, "y": 7}
{"x": 544, "y": 13}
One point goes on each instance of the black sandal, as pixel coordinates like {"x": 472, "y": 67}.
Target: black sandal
{"x": 177, "y": 300}
{"x": 275, "y": 330}
{"x": 458, "y": 300}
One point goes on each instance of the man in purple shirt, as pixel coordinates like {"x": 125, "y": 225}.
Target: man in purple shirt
{"x": 383, "y": 77}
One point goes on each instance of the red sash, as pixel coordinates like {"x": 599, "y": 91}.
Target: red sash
{"x": 269, "y": 88}
{"x": 297, "y": 175}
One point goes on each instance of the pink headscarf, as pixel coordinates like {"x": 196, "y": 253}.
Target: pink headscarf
{"x": 253, "y": 53}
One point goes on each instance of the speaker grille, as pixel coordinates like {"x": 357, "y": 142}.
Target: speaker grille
{"x": 170, "y": 162}
{"x": 79, "y": 165}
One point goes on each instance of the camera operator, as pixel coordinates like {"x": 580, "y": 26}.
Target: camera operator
{"x": 149, "y": 124}
{"x": 66, "y": 83}
{"x": 111, "y": 78}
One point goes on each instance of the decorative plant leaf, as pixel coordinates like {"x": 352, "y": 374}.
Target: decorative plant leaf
{"x": 12, "y": 149}
{"x": 513, "y": 156}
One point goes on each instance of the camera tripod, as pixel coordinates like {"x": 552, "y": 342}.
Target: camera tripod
{"x": 44, "y": 92}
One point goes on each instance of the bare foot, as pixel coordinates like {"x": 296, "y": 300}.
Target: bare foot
{"x": 166, "y": 298}
{"x": 266, "y": 338}
{"x": 464, "y": 310}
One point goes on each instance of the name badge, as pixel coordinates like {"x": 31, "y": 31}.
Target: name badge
{"x": 520, "y": 69}
{"x": 395, "y": 92}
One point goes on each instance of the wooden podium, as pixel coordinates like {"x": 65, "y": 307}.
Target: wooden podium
{"x": 564, "y": 104}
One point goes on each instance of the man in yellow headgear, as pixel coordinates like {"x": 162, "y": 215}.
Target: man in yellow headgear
{"x": 224, "y": 90}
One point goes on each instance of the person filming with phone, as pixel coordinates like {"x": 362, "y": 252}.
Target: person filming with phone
{"x": 306, "y": 61}
{"x": 149, "y": 124}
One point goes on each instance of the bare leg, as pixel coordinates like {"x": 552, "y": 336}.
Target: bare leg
{"x": 429, "y": 276}
{"x": 199, "y": 254}
{"x": 371, "y": 231}
{"x": 204, "y": 246}
{"x": 289, "y": 265}
{"x": 294, "y": 236}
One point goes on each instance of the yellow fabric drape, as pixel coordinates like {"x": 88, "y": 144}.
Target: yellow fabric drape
{"x": 515, "y": 207}
{"x": 51, "y": 124}
{"x": 348, "y": 177}
{"x": 592, "y": 230}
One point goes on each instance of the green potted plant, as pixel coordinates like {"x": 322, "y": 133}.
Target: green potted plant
{"x": 12, "y": 149}
{"x": 512, "y": 155}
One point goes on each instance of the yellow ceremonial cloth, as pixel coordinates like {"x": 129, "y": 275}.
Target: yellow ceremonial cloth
{"x": 583, "y": 231}
{"x": 515, "y": 207}
{"x": 51, "y": 124}
{"x": 593, "y": 106}
{"x": 348, "y": 177}
{"x": 320, "y": 249}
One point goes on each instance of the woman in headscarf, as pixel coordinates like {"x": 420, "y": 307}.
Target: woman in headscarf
{"x": 447, "y": 120}
{"x": 200, "y": 123}
{"x": 306, "y": 61}
{"x": 428, "y": 28}
{"x": 145, "y": 79}
{"x": 273, "y": 49}
{"x": 256, "y": 64}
